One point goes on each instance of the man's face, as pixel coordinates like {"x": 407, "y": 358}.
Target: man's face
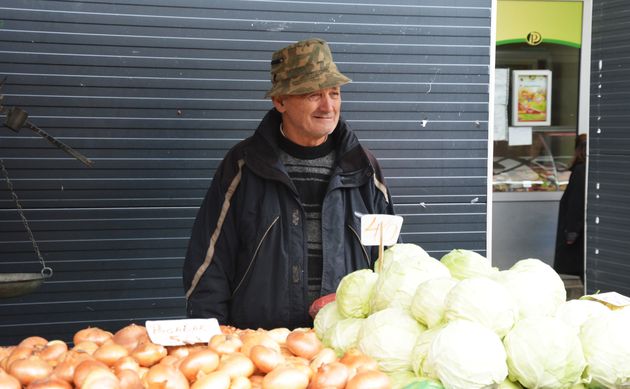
{"x": 308, "y": 119}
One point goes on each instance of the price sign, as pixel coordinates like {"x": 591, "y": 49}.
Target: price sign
{"x": 375, "y": 226}
{"x": 612, "y": 300}
{"x": 182, "y": 332}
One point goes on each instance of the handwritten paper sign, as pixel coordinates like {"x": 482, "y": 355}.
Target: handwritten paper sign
{"x": 371, "y": 226}
{"x": 181, "y": 332}
{"x": 612, "y": 300}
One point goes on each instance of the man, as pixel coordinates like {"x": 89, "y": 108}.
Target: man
{"x": 280, "y": 224}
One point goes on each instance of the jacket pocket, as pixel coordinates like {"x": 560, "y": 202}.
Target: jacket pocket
{"x": 365, "y": 254}
{"x": 255, "y": 254}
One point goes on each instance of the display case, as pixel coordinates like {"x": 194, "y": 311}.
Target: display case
{"x": 541, "y": 166}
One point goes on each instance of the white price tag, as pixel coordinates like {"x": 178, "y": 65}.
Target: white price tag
{"x": 371, "y": 226}
{"x": 613, "y": 300}
{"x": 183, "y": 331}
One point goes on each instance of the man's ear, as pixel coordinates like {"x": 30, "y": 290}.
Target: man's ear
{"x": 278, "y": 102}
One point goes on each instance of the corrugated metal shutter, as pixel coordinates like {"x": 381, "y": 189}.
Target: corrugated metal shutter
{"x": 608, "y": 215}
{"x": 155, "y": 92}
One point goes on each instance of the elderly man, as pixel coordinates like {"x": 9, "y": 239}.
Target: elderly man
{"x": 278, "y": 227}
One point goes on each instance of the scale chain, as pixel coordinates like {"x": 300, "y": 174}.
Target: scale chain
{"x": 46, "y": 271}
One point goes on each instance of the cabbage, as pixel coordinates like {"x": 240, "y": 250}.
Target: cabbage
{"x": 427, "y": 304}
{"x": 544, "y": 352}
{"x": 536, "y": 287}
{"x": 575, "y": 312}
{"x": 401, "y": 252}
{"x": 507, "y": 384}
{"x": 401, "y": 379}
{"x": 343, "y": 335}
{"x": 388, "y": 336}
{"x": 424, "y": 383}
{"x": 354, "y": 292}
{"x": 606, "y": 343}
{"x": 484, "y": 301}
{"x": 421, "y": 349}
{"x": 466, "y": 355}
{"x": 405, "y": 266}
{"x": 326, "y": 318}
{"x": 466, "y": 264}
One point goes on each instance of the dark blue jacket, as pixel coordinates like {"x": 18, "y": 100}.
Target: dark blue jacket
{"x": 246, "y": 260}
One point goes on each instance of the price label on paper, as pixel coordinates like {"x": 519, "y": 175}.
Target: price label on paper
{"x": 371, "y": 226}
{"x": 182, "y": 332}
{"x": 613, "y": 300}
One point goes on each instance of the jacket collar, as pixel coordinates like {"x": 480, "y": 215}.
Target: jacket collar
{"x": 262, "y": 153}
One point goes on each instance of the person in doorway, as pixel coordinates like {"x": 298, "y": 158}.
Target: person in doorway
{"x": 569, "y": 258}
{"x": 280, "y": 224}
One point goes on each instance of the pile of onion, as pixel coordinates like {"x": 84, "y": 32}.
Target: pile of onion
{"x": 235, "y": 359}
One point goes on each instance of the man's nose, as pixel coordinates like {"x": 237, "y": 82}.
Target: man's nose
{"x": 326, "y": 103}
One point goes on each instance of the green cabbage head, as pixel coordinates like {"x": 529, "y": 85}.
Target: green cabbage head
{"x": 466, "y": 264}
{"x": 544, "y": 352}
{"x": 354, "y": 293}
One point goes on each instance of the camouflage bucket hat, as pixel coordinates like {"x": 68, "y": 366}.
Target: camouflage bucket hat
{"x": 304, "y": 67}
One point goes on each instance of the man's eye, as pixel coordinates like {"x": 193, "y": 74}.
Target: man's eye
{"x": 314, "y": 96}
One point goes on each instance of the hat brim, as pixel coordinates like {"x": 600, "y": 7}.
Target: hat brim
{"x": 301, "y": 86}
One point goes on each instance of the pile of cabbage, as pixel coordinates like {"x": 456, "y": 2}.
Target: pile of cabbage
{"x": 459, "y": 323}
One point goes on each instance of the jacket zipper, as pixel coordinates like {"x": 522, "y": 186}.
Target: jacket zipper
{"x": 365, "y": 254}
{"x": 255, "y": 254}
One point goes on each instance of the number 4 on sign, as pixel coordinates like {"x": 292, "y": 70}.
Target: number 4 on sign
{"x": 379, "y": 229}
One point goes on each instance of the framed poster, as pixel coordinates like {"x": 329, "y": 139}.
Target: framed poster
{"x": 531, "y": 97}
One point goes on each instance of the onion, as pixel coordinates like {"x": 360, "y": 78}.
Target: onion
{"x": 225, "y": 343}
{"x": 285, "y": 377}
{"x": 256, "y": 381}
{"x": 53, "y": 351}
{"x": 357, "y": 361}
{"x": 100, "y": 379}
{"x": 165, "y": 377}
{"x": 66, "y": 367}
{"x": 9, "y": 382}
{"x": 178, "y": 352}
{"x": 4, "y": 355}
{"x": 92, "y": 334}
{"x": 170, "y": 360}
{"x": 227, "y": 329}
{"x": 86, "y": 346}
{"x": 33, "y": 341}
{"x": 254, "y": 338}
{"x": 369, "y": 379}
{"x": 84, "y": 368}
{"x": 236, "y": 364}
{"x": 330, "y": 375}
{"x": 214, "y": 380}
{"x": 131, "y": 336}
{"x": 129, "y": 379}
{"x": 148, "y": 354}
{"x": 205, "y": 361}
{"x": 19, "y": 352}
{"x": 264, "y": 358}
{"x": 240, "y": 383}
{"x": 304, "y": 343}
{"x": 325, "y": 355}
{"x": 29, "y": 369}
{"x": 109, "y": 353}
{"x": 50, "y": 382}
{"x": 279, "y": 334}
{"x": 126, "y": 363}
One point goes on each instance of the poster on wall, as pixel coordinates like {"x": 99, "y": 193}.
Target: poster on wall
{"x": 531, "y": 97}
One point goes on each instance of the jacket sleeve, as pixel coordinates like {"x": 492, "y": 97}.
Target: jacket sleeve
{"x": 209, "y": 266}
{"x": 383, "y": 198}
